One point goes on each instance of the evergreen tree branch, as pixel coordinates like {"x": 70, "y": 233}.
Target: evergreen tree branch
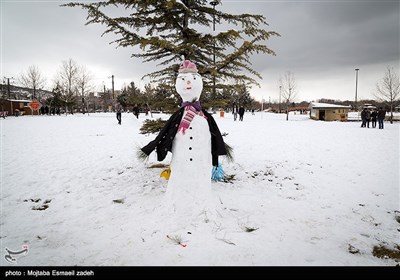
{"x": 166, "y": 30}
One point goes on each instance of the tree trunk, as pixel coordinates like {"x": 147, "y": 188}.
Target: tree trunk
{"x": 287, "y": 112}
{"x": 391, "y": 112}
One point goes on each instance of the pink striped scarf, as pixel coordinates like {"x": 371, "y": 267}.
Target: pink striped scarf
{"x": 190, "y": 113}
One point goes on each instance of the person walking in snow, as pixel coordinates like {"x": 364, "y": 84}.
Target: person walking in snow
{"x": 374, "y": 115}
{"x": 136, "y": 111}
{"x": 364, "y": 117}
{"x": 234, "y": 111}
{"x": 381, "y": 117}
{"x": 368, "y": 117}
{"x": 119, "y": 112}
{"x": 241, "y": 113}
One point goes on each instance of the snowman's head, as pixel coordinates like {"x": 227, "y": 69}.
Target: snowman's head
{"x": 189, "y": 83}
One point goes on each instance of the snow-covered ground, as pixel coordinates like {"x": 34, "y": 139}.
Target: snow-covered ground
{"x": 302, "y": 192}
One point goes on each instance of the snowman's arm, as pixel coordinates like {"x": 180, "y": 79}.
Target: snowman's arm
{"x": 217, "y": 142}
{"x": 163, "y": 141}
{"x": 229, "y": 152}
{"x": 153, "y": 144}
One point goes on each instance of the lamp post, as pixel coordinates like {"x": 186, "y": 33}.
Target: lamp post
{"x": 112, "y": 90}
{"x": 355, "y": 103}
{"x": 280, "y": 93}
{"x": 2, "y": 99}
{"x": 287, "y": 102}
{"x": 8, "y": 92}
{"x": 262, "y": 104}
{"x": 214, "y": 3}
{"x": 8, "y": 85}
{"x": 112, "y": 86}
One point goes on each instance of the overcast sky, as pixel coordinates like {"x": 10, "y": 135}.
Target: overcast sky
{"x": 322, "y": 42}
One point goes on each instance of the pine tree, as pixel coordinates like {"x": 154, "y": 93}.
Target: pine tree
{"x": 168, "y": 30}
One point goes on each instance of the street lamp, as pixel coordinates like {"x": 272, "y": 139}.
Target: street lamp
{"x": 288, "y": 97}
{"x": 8, "y": 85}
{"x": 262, "y": 104}
{"x": 112, "y": 86}
{"x": 355, "y": 103}
{"x": 8, "y": 92}
{"x": 280, "y": 93}
{"x": 112, "y": 91}
{"x": 214, "y": 3}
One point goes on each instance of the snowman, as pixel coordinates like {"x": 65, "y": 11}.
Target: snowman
{"x": 192, "y": 136}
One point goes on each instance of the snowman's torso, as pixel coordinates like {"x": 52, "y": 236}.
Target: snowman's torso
{"x": 192, "y": 151}
{"x": 189, "y": 187}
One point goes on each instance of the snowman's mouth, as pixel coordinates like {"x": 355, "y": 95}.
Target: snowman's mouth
{"x": 188, "y": 87}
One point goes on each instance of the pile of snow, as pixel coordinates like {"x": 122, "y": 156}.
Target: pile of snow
{"x": 300, "y": 192}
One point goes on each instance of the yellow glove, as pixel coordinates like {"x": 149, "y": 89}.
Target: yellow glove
{"x": 166, "y": 173}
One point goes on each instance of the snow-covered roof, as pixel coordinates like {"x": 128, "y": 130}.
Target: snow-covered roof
{"x": 315, "y": 105}
{"x": 19, "y": 100}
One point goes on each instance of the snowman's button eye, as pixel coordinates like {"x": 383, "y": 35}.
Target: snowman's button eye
{"x": 194, "y": 77}
{"x": 183, "y": 79}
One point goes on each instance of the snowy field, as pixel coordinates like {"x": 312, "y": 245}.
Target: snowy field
{"x": 300, "y": 192}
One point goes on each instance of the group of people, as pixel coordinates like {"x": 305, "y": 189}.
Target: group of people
{"x": 236, "y": 111}
{"x": 119, "y": 109}
{"x": 367, "y": 116}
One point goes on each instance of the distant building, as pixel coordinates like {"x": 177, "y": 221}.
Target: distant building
{"x": 328, "y": 112}
{"x": 369, "y": 106}
{"x": 10, "y": 107}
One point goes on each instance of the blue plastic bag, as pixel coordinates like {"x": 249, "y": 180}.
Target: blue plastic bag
{"x": 218, "y": 173}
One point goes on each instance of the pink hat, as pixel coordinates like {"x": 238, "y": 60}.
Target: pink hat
{"x": 187, "y": 67}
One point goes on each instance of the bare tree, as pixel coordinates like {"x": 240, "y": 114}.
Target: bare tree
{"x": 67, "y": 79}
{"x": 83, "y": 82}
{"x": 33, "y": 79}
{"x": 288, "y": 90}
{"x": 388, "y": 89}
